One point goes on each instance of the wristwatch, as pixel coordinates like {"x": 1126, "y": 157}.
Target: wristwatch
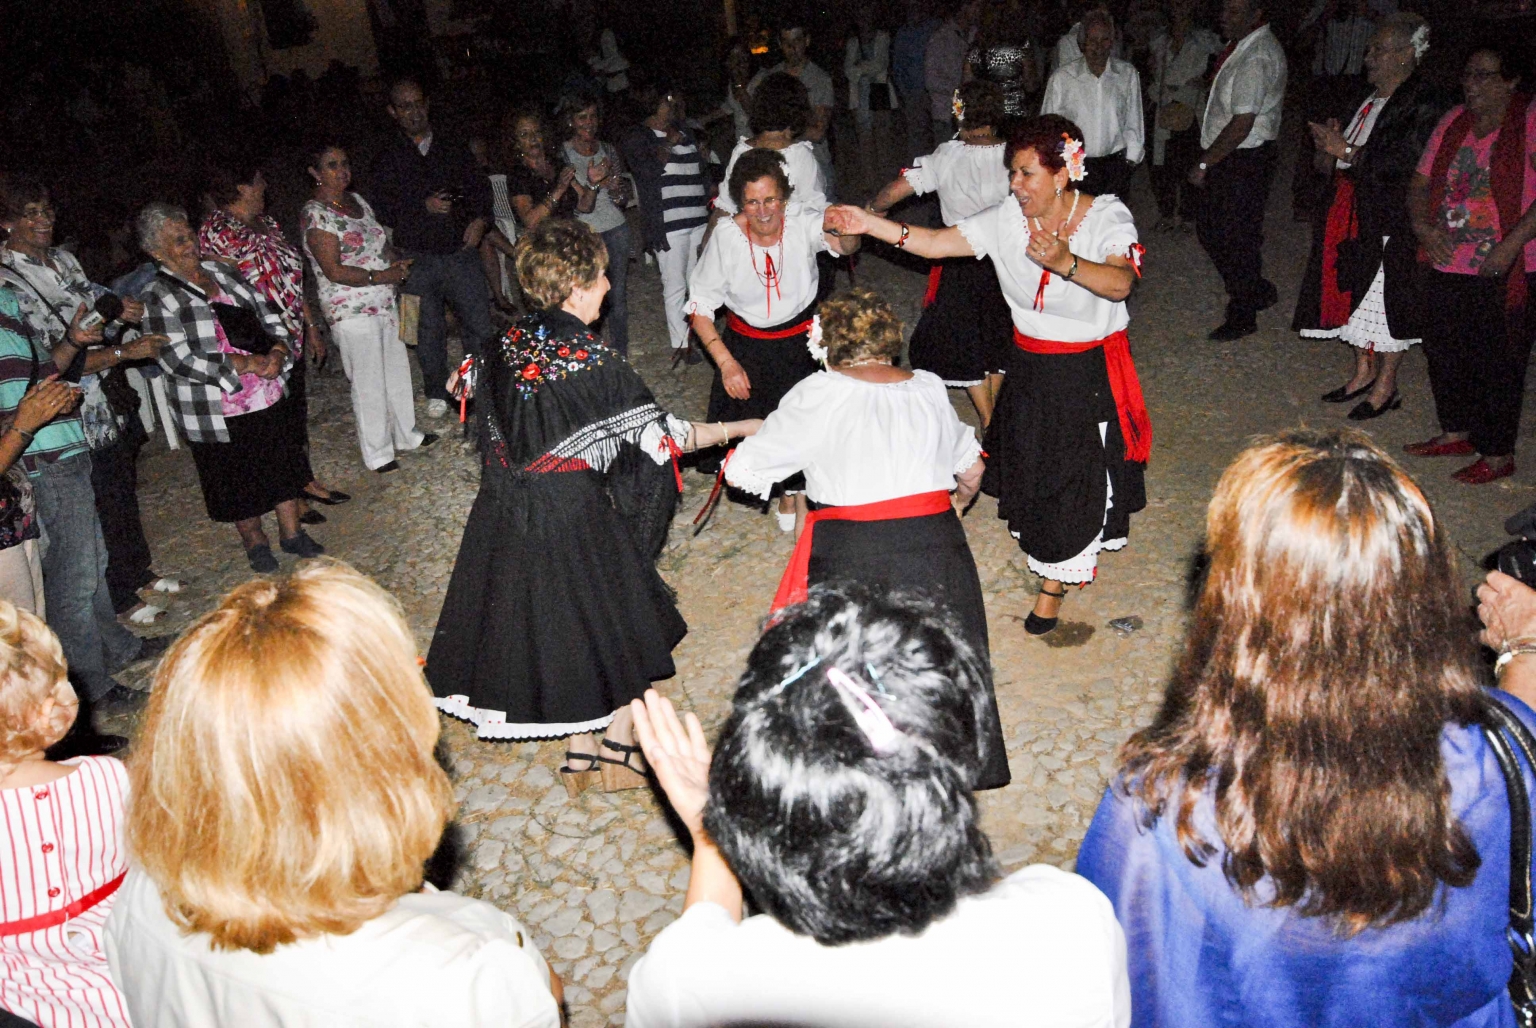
{"x": 370, "y": 276}
{"x": 117, "y": 354}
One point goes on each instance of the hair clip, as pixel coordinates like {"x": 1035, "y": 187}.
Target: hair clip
{"x": 958, "y": 106}
{"x": 874, "y": 676}
{"x": 1072, "y": 153}
{"x": 872, "y": 721}
{"x": 818, "y": 351}
{"x": 792, "y": 677}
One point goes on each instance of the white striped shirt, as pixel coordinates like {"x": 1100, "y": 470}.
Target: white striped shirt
{"x": 63, "y": 840}
{"x": 684, "y": 190}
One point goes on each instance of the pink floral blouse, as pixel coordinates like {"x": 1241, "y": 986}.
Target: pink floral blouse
{"x": 362, "y": 246}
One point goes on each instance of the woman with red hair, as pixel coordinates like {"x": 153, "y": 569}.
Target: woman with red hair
{"x": 1069, "y": 439}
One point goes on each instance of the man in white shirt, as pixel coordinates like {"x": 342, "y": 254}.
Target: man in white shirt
{"x": 1237, "y": 134}
{"x": 1102, "y": 95}
{"x": 944, "y": 64}
{"x": 795, "y": 42}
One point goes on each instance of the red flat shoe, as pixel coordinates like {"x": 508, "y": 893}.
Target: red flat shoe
{"x": 1481, "y": 472}
{"x": 1430, "y": 448}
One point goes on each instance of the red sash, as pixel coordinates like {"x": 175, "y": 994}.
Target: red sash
{"x": 935, "y": 273}
{"x": 1135, "y": 423}
{"x": 741, "y": 328}
{"x": 794, "y": 586}
{"x": 69, "y": 913}
{"x": 1341, "y": 226}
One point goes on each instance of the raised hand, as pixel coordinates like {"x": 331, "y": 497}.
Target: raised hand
{"x": 677, "y": 752}
{"x": 845, "y": 220}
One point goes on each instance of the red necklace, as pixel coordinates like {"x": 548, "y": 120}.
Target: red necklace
{"x": 772, "y": 275}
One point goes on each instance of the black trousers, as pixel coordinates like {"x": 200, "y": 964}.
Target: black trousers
{"x": 1476, "y": 359}
{"x": 115, "y": 481}
{"x": 1108, "y": 174}
{"x": 1230, "y": 226}
{"x": 1169, "y": 180}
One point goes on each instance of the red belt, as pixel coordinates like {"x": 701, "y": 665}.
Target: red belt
{"x": 69, "y": 913}
{"x": 741, "y": 328}
{"x": 794, "y": 586}
{"x": 1135, "y": 423}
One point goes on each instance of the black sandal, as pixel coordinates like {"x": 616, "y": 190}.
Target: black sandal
{"x": 619, "y": 775}
{"x": 1037, "y": 625}
{"x": 577, "y": 781}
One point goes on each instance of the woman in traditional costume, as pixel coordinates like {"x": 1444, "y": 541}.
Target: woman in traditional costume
{"x": 555, "y": 616}
{"x": 1362, "y": 284}
{"x": 881, "y": 449}
{"x": 1069, "y": 440}
{"x": 965, "y": 333}
{"x": 761, "y": 266}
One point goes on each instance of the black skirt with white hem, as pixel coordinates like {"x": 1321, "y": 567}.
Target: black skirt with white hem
{"x": 773, "y": 367}
{"x": 966, "y": 333}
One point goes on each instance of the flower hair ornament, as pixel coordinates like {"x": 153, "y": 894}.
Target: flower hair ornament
{"x": 813, "y": 342}
{"x": 1072, "y": 153}
{"x": 1420, "y": 42}
{"x": 958, "y": 106}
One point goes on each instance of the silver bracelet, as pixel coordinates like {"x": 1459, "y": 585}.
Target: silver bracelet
{"x": 1509, "y": 653}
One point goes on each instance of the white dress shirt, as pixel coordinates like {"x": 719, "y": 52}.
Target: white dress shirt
{"x": 1251, "y": 81}
{"x": 1106, "y": 107}
{"x": 808, "y": 191}
{"x": 865, "y": 68}
{"x": 1179, "y": 77}
{"x": 968, "y": 179}
{"x": 1040, "y": 949}
{"x": 732, "y": 272}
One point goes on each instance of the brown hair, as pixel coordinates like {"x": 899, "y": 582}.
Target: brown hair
{"x": 755, "y": 164}
{"x": 556, "y": 257}
{"x": 1045, "y": 134}
{"x": 283, "y": 785}
{"x": 1328, "y": 649}
{"x": 858, "y": 325}
{"x": 32, "y": 671}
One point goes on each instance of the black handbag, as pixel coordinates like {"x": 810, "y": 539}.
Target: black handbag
{"x": 242, "y": 327}
{"x": 1507, "y": 736}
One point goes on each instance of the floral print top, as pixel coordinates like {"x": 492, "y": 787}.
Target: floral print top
{"x": 255, "y": 393}
{"x": 1469, "y": 215}
{"x": 266, "y": 259}
{"x": 362, "y": 246}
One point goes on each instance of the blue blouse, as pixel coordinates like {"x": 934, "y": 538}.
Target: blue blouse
{"x": 1200, "y": 957}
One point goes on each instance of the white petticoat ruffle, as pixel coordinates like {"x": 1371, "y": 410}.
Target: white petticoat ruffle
{"x": 492, "y": 724}
{"x": 1367, "y": 327}
{"x": 1080, "y": 569}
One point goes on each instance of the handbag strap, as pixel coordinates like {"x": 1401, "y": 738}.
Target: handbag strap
{"x": 1507, "y": 734}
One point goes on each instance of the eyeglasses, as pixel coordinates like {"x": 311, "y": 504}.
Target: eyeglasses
{"x": 38, "y": 214}
{"x": 771, "y": 203}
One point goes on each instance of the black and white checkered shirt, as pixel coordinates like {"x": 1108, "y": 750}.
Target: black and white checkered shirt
{"x": 200, "y": 375}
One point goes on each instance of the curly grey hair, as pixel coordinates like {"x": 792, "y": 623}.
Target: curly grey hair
{"x": 152, "y": 221}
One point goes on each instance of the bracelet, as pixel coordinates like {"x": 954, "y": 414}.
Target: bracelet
{"x": 1072, "y": 271}
{"x": 725, "y": 434}
{"x": 370, "y": 276}
{"x": 1509, "y": 653}
{"x": 906, "y": 230}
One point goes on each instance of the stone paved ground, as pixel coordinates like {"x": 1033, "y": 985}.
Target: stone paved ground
{"x": 597, "y": 877}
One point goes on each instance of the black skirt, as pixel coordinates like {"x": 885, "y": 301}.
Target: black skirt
{"x": 1046, "y": 463}
{"x": 928, "y": 555}
{"x": 967, "y": 332}
{"x": 773, "y": 367}
{"x": 553, "y": 617}
{"x": 260, "y": 467}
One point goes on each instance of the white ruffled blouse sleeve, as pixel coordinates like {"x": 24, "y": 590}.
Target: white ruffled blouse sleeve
{"x": 709, "y": 283}
{"x": 783, "y": 446}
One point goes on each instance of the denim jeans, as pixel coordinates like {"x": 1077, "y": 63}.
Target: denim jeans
{"x": 616, "y": 309}
{"x": 75, "y": 578}
{"x": 457, "y": 278}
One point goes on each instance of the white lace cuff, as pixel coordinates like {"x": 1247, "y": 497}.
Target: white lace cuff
{"x": 742, "y": 475}
{"x": 969, "y": 455}
{"x": 971, "y": 240}
{"x": 653, "y": 438}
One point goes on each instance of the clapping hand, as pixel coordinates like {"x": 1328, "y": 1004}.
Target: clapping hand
{"x": 439, "y": 202}
{"x": 677, "y": 752}
{"x": 1328, "y": 137}
{"x": 1507, "y": 608}
{"x": 44, "y": 402}
{"x": 1050, "y": 251}
{"x": 597, "y": 171}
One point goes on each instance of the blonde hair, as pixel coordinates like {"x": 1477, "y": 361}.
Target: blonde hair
{"x": 556, "y": 257}
{"x": 284, "y": 784}
{"x": 32, "y": 671}
{"x": 859, "y": 325}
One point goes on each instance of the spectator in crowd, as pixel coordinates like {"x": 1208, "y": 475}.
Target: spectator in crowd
{"x": 21, "y": 567}
{"x": 356, "y": 275}
{"x": 944, "y": 63}
{"x": 238, "y": 231}
{"x": 674, "y": 197}
{"x": 227, "y": 355}
{"x": 881, "y": 907}
{"x": 50, "y": 287}
{"x": 871, "y": 98}
{"x": 909, "y": 51}
{"x": 738, "y": 101}
{"x": 285, "y": 801}
{"x": 1069, "y": 47}
{"x": 1006, "y": 55}
{"x": 429, "y": 191}
{"x": 1101, "y": 94}
{"x": 1315, "y": 809}
{"x": 1476, "y": 176}
{"x": 1237, "y": 160}
{"x": 795, "y": 44}
{"x": 608, "y": 64}
{"x": 1363, "y": 283}
{"x": 64, "y": 857}
{"x": 496, "y": 246}
{"x": 538, "y": 186}
{"x": 1180, "y": 55}
{"x": 1340, "y": 31}
{"x": 1507, "y": 608}
{"x": 598, "y": 167}
{"x": 780, "y": 111}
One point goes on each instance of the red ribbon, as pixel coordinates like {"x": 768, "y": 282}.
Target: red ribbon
{"x": 1136, "y": 254}
{"x": 674, "y": 452}
{"x": 69, "y": 913}
{"x": 1045, "y": 276}
{"x": 741, "y": 328}
{"x": 1130, "y": 406}
{"x": 795, "y": 585}
{"x": 935, "y": 273}
{"x": 702, "y": 517}
{"x": 464, "y": 368}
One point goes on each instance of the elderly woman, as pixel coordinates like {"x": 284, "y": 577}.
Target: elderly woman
{"x": 539, "y": 187}
{"x": 1070, "y": 437}
{"x": 356, "y": 277}
{"x": 597, "y": 164}
{"x": 284, "y": 801}
{"x": 238, "y": 231}
{"x": 1362, "y": 284}
{"x": 1315, "y": 811}
{"x": 965, "y": 333}
{"x": 881, "y": 449}
{"x": 227, "y": 353}
{"x": 761, "y": 265}
{"x": 839, "y": 796}
{"x": 1465, "y": 200}
{"x": 780, "y": 110}
{"x": 555, "y": 616}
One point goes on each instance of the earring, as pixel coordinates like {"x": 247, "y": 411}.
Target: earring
{"x": 1058, "y": 190}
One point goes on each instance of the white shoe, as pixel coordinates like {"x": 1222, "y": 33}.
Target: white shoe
{"x": 786, "y": 521}
{"x": 165, "y": 585}
{"x": 144, "y": 614}
{"x": 437, "y": 408}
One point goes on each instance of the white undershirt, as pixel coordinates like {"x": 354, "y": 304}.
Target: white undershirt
{"x": 807, "y": 191}
{"x": 731, "y": 270}
{"x": 968, "y": 179}
{"x": 857, "y": 441}
{"x": 1362, "y": 123}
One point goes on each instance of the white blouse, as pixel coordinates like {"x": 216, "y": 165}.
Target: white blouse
{"x": 808, "y": 191}
{"x": 733, "y": 272}
{"x": 857, "y": 441}
{"x": 1072, "y": 314}
{"x": 1360, "y": 126}
{"x": 969, "y": 179}
{"x": 1040, "y": 949}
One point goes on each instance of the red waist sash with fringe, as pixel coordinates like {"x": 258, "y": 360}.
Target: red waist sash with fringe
{"x": 1135, "y": 423}
{"x": 741, "y": 328}
{"x": 68, "y": 913}
{"x": 1341, "y": 226}
{"x": 795, "y": 585}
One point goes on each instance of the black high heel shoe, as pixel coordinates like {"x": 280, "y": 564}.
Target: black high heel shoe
{"x": 1037, "y": 625}
{"x": 336, "y": 497}
{"x": 1365, "y": 412}
{"x": 1343, "y": 394}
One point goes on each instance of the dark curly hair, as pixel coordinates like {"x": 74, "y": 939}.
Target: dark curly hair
{"x": 983, "y": 102}
{"x": 1045, "y": 134}
{"x": 756, "y": 164}
{"x": 780, "y": 104}
{"x": 833, "y": 839}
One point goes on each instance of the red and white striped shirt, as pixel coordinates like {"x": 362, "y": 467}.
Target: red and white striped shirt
{"x": 63, "y": 840}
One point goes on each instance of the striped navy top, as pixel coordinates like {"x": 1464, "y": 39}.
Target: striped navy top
{"x": 684, "y": 189}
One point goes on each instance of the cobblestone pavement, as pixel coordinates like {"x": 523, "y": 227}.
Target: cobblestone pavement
{"x": 597, "y": 877}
